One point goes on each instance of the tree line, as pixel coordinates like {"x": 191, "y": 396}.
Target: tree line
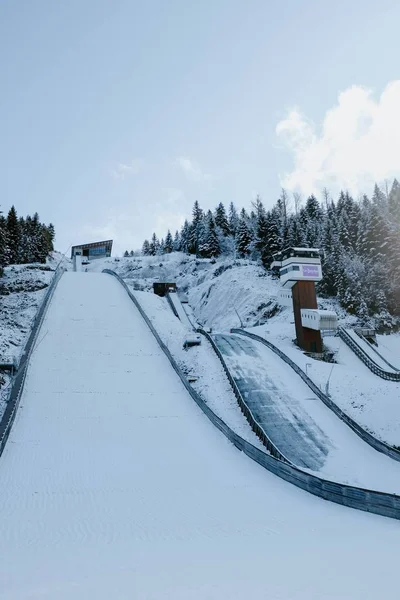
{"x": 360, "y": 239}
{"x": 24, "y": 240}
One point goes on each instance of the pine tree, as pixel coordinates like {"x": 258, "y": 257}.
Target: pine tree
{"x": 297, "y": 236}
{"x": 154, "y": 245}
{"x": 3, "y": 243}
{"x": 126, "y": 254}
{"x": 221, "y": 220}
{"x": 169, "y": 243}
{"x": 196, "y": 230}
{"x": 394, "y": 203}
{"x": 233, "y": 220}
{"x": 185, "y": 237}
{"x": 177, "y": 242}
{"x": 243, "y": 236}
{"x": 146, "y": 248}
{"x": 260, "y": 226}
{"x": 273, "y": 241}
{"x": 210, "y": 247}
{"x": 13, "y": 237}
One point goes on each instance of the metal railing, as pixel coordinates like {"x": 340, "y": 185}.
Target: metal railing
{"x": 380, "y": 503}
{"x": 362, "y": 433}
{"x": 367, "y": 360}
{"x": 19, "y": 378}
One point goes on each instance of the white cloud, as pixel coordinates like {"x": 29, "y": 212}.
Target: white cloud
{"x": 191, "y": 168}
{"x": 123, "y": 170}
{"x": 357, "y": 144}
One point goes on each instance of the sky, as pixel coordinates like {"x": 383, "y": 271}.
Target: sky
{"x": 116, "y": 115}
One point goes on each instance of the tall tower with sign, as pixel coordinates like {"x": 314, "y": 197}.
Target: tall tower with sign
{"x": 299, "y": 269}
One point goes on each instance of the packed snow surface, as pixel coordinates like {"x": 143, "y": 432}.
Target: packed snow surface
{"x": 200, "y": 363}
{"x": 307, "y": 432}
{"x": 115, "y": 485}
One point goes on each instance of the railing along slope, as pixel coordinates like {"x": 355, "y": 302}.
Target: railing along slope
{"x": 367, "y": 437}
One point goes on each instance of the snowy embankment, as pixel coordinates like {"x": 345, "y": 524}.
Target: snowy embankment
{"x": 198, "y": 362}
{"x": 22, "y": 289}
{"x": 115, "y": 484}
{"x": 369, "y": 351}
{"x": 389, "y": 348}
{"x": 226, "y": 293}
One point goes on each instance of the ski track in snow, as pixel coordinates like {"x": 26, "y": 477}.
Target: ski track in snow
{"x": 299, "y": 424}
{"x": 114, "y": 484}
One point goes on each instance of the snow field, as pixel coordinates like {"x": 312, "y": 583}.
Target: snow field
{"x": 114, "y": 484}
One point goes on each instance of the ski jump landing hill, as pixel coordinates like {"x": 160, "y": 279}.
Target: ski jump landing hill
{"x": 113, "y": 482}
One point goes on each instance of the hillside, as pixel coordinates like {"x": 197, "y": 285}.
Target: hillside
{"x": 224, "y": 293}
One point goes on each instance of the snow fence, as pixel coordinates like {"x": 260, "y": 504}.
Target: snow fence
{"x": 380, "y": 503}
{"x": 362, "y": 433}
{"x": 367, "y": 360}
{"x": 20, "y": 373}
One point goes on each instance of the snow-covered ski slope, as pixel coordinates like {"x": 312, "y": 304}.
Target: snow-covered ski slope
{"x": 299, "y": 424}
{"x": 114, "y": 484}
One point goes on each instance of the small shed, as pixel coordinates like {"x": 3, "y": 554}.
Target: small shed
{"x": 161, "y": 288}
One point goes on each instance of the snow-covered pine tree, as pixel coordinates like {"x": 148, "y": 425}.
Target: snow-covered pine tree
{"x": 146, "y": 248}
{"x": 273, "y": 240}
{"x": 161, "y": 247}
{"x": 243, "y": 235}
{"x": 394, "y": 203}
{"x": 210, "y": 247}
{"x": 296, "y": 237}
{"x": 260, "y": 226}
{"x": 233, "y": 219}
{"x": 13, "y": 236}
{"x": 126, "y": 254}
{"x": 154, "y": 245}
{"x": 169, "y": 243}
{"x": 3, "y": 243}
{"x": 221, "y": 220}
{"x": 176, "y": 246}
{"x": 196, "y": 230}
{"x": 185, "y": 236}
{"x": 332, "y": 256}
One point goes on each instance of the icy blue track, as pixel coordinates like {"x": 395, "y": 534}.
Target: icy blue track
{"x": 282, "y": 418}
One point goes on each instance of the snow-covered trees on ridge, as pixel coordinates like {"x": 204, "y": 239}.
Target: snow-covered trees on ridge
{"x": 24, "y": 240}
{"x": 360, "y": 239}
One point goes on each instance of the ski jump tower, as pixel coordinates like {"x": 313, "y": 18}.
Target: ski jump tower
{"x": 299, "y": 269}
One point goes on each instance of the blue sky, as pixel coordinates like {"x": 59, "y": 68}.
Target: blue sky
{"x": 116, "y": 115}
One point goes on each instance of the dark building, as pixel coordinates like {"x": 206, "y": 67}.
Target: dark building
{"x": 94, "y": 250}
{"x": 161, "y": 288}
